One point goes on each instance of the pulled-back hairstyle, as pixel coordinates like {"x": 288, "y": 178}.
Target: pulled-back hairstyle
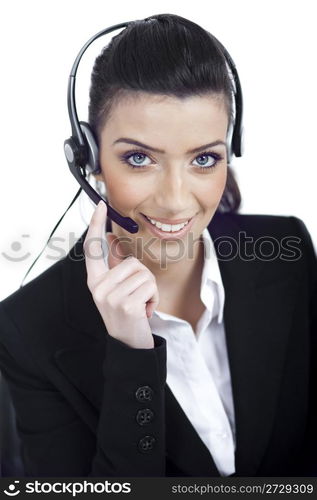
{"x": 162, "y": 54}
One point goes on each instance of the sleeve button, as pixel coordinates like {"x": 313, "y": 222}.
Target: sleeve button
{"x": 144, "y": 393}
{"x": 146, "y": 444}
{"x": 144, "y": 416}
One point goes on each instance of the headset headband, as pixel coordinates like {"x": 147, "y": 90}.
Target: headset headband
{"x": 236, "y": 141}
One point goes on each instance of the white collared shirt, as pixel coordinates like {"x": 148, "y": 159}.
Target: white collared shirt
{"x": 197, "y": 365}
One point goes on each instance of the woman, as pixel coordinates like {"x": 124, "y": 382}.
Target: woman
{"x": 196, "y": 355}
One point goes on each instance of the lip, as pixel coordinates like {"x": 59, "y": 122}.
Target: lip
{"x": 172, "y": 235}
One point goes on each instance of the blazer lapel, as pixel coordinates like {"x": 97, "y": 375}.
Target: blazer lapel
{"x": 257, "y": 320}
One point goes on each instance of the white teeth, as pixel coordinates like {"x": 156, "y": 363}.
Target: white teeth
{"x": 168, "y": 227}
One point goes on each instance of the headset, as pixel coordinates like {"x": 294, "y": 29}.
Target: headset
{"x": 81, "y": 150}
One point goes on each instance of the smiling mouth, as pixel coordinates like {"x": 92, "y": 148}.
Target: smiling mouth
{"x": 169, "y": 231}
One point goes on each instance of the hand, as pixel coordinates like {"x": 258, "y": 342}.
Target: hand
{"x": 125, "y": 295}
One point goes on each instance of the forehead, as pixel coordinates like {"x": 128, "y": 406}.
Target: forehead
{"x": 162, "y": 116}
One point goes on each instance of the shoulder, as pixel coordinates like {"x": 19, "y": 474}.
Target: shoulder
{"x": 289, "y": 230}
{"x": 45, "y": 294}
{"x": 264, "y": 224}
{"x": 38, "y": 310}
{"x": 21, "y": 313}
{"x": 269, "y": 230}
{"x": 36, "y": 297}
{"x": 277, "y": 245}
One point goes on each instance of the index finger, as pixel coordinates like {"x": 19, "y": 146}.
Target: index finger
{"x": 95, "y": 238}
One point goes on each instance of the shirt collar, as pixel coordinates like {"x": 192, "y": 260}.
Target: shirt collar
{"x": 211, "y": 273}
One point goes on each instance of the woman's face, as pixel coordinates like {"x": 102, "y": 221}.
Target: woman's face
{"x": 174, "y": 172}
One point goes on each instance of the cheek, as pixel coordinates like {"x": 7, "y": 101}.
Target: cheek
{"x": 122, "y": 193}
{"x": 214, "y": 188}
{"x": 221, "y": 182}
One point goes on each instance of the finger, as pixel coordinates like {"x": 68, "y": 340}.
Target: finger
{"x": 132, "y": 283}
{"x": 115, "y": 250}
{"x": 152, "y": 306}
{"x": 148, "y": 294}
{"x": 126, "y": 278}
{"x": 94, "y": 260}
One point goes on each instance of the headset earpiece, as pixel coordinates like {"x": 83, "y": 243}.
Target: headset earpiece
{"x": 92, "y": 155}
{"x": 241, "y": 141}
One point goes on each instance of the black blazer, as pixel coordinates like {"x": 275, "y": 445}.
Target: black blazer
{"x": 80, "y": 395}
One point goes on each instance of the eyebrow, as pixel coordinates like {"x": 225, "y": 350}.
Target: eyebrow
{"x": 126, "y": 140}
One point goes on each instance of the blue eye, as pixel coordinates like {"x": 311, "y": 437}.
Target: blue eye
{"x": 206, "y": 160}
{"x": 138, "y": 159}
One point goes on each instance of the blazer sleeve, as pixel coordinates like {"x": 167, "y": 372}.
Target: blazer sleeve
{"x": 55, "y": 440}
{"x": 131, "y": 431}
{"x": 308, "y": 460}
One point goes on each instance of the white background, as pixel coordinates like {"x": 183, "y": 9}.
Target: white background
{"x": 273, "y": 44}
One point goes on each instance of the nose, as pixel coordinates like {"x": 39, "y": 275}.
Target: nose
{"x": 173, "y": 191}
